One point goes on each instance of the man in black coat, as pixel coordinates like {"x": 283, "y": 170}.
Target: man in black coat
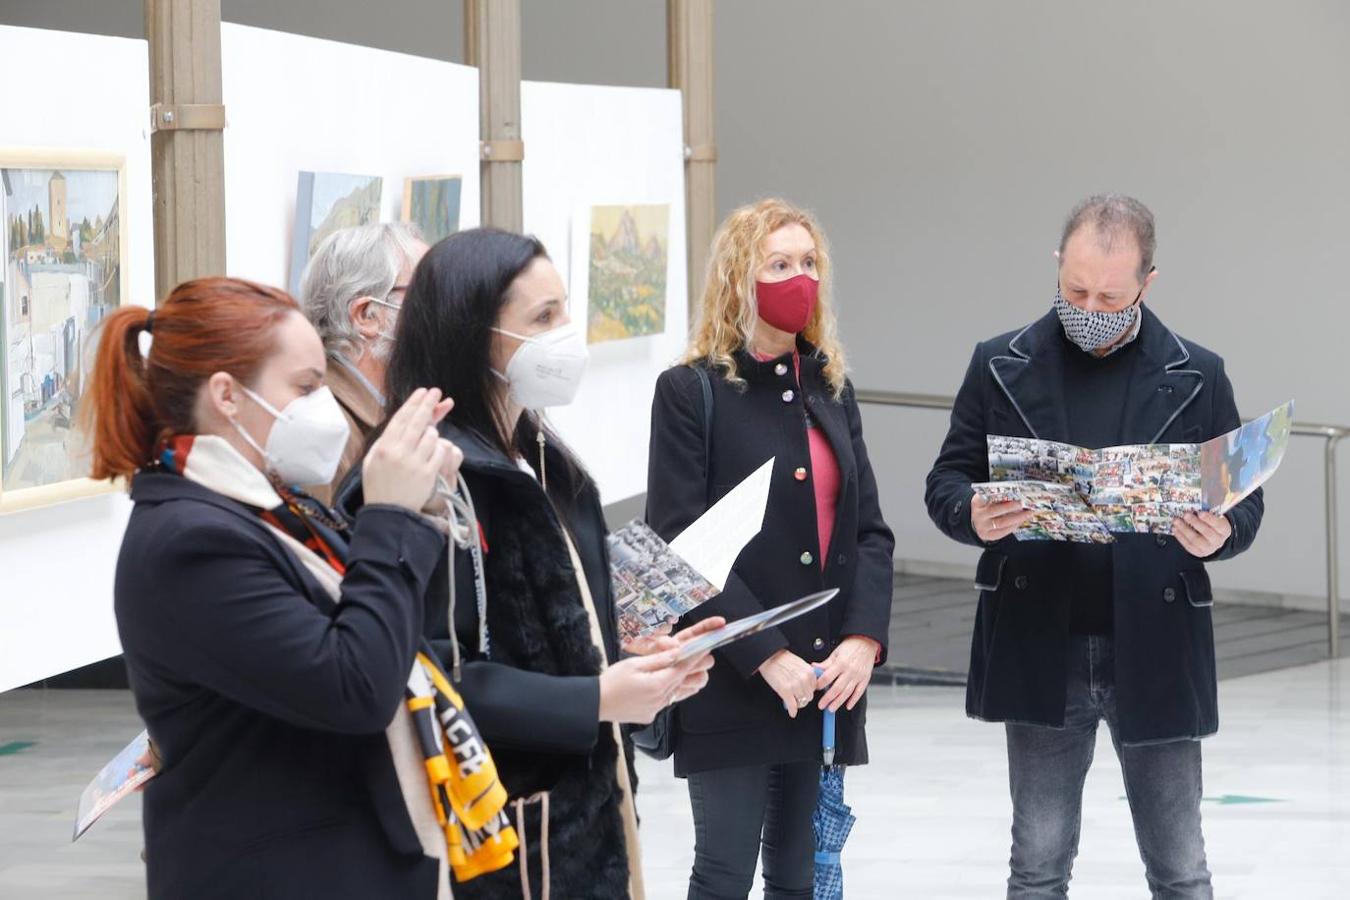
{"x": 1068, "y": 634}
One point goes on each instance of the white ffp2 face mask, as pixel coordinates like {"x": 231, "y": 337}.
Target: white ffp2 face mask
{"x": 306, "y": 442}
{"x": 547, "y": 368}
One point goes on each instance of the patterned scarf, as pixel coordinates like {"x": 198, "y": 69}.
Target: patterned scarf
{"x": 459, "y": 809}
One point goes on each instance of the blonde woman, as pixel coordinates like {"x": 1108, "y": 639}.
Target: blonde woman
{"x": 750, "y": 743}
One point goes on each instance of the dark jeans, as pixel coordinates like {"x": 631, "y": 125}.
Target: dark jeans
{"x": 1046, "y": 770}
{"x": 734, "y": 809}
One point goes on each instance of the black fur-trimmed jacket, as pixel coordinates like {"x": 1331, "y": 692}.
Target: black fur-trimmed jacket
{"x": 534, "y": 690}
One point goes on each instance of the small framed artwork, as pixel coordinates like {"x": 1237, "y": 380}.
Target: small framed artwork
{"x": 65, "y": 268}
{"x": 431, "y": 202}
{"x": 326, "y": 202}
{"x": 623, "y": 275}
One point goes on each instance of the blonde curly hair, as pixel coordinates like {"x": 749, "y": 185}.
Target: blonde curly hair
{"x": 727, "y": 315}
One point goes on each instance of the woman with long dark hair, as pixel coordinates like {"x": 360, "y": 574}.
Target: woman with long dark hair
{"x": 275, "y": 708}
{"x": 485, "y": 318}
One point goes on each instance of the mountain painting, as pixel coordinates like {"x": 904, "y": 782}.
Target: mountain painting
{"x": 327, "y": 202}
{"x": 630, "y": 247}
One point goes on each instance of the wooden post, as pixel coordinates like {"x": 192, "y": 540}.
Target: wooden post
{"x": 187, "y": 148}
{"x": 690, "y": 49}
{"x": 492, "y": 43}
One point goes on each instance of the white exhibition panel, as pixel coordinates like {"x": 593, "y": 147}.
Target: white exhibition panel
{"x": 297, "y": 103}
{"x": 590, "y": 145}
{"x": 57, "y": 562}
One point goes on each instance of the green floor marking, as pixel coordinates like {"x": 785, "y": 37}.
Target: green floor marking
{"x": 1234, "y": 800}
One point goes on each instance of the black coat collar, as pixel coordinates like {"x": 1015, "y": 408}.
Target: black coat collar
{"x": 486, "y": 458}
{"x": 819, "y": 400}
{"x": 480, "y": 454}
{"x": 161, "y": 486}
{"x": 1030, "y": 373}
{"x": 755, "y": 370}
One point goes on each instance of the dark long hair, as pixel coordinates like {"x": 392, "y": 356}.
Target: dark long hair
{"x": 444, "y": 335}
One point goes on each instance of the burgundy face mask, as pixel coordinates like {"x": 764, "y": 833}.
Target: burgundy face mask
{"x": 788, "y": 305}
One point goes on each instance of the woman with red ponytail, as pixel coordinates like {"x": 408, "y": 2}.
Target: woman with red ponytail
{"x": 267, "y": 698}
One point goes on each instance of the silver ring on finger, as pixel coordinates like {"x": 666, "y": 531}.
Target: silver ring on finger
{"x": 802, "y": 702}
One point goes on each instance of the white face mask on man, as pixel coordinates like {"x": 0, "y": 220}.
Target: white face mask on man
{"x": 306, "y": 442}
{"x": 546, "y": 369}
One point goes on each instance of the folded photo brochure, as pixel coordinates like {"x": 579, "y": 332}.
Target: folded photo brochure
{"x": 123, "y": 774}
{"x": 1088, "y": 496}
{"x": 652, "y": 585}
{"x": 656, "y": 584}
{"x": 754, "y": 624}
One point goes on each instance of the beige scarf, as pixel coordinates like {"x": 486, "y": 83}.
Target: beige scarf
{"x": 628, "y": 809}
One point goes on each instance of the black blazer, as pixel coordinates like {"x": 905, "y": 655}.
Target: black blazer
{"x": 1164, "y": 637}
{"x": 738, "y": 720}
{"x": 267, "y": 702}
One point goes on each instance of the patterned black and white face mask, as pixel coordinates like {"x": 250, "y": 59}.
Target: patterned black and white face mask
{"x": 1092, "y": 331}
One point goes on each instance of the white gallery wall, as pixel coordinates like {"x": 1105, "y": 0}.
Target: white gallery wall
{"x": 297, "y": 103}
{"x": 56, "y": 563}
{"x": 590, "y": 145}
{"x": 303, "y": 104}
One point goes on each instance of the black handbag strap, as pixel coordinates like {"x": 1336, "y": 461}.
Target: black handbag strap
{"x": 657, "y": 740}
{"x": 706, "y": 383}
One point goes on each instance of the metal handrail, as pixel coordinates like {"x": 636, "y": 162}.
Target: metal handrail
{"x": 1331, "y": 434}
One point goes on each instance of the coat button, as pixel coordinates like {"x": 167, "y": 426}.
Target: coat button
{"x": 807, "y": 558}
{"x": 800, "y": 473}
{"x": 842, "y": 558}
{"x": 1169, "y": 595}
{"x": 818, "y": 644}
{"x": 1021, "y": 582}
{"x": 789, "y": 396}
{"x": 780, "y": 369}
{"x": 1161, "y": 540}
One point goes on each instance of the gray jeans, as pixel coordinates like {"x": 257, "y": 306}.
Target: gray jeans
{"x": 754, "y": 813}
{"x": 1046, "y": 770}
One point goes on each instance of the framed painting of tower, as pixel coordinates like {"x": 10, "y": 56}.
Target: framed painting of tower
{"x": 64, "y": 229}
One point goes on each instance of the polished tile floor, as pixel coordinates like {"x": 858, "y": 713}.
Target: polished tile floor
{"x": 933, "y": 808}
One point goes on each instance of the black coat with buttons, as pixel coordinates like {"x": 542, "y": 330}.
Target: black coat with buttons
{"x": 1164, "y": 638}
{"x": 738, "y": 720}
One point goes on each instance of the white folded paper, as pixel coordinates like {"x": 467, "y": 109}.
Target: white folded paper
{"x": 712, "y": 543}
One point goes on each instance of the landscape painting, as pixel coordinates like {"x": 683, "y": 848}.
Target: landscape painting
{"x": 432, "y": 204}
{"x": 629, "y": 252}
{"x": 64, "y": 258}
{"x": 326, "y": 202}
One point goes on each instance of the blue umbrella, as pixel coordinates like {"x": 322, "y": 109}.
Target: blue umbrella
{"x": 832, "y": 821}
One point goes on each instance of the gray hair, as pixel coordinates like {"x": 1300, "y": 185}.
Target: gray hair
{"x": 1113, "y": 216}
{"x": 352, "y": 263}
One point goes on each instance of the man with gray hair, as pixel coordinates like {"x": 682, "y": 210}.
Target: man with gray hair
{"x": 1070, "y": 634}
{"x": 351, "y": 292}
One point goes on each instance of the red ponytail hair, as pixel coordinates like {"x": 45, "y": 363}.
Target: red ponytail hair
{"x": 205, "y": 326}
